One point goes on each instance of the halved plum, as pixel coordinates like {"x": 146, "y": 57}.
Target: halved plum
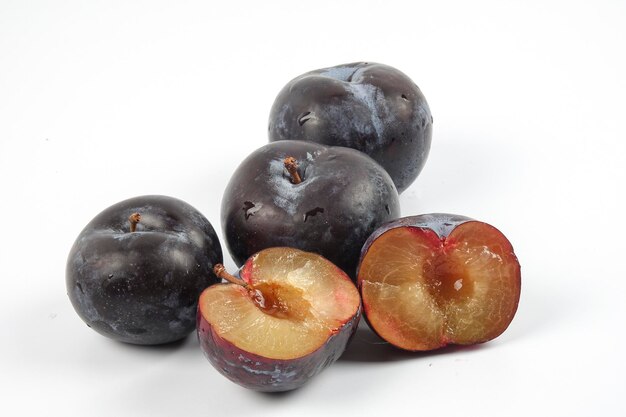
{"x": 432, "y": 280}
{"x": 289, "y": 316}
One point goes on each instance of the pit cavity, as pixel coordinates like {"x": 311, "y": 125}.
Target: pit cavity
{"x": 446, "y": 279}
{"x": 281, "y": 300}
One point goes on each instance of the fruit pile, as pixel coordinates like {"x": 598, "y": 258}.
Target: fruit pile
{"x": 312, "y": 219}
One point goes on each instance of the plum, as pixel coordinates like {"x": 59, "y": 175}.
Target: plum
{"x": 371, "y": 107}
{"x": 289, "y": 316}
{"x": 436, "y": 279}
{"x": 308, "y": 196}
{"x": 135, "y": 272}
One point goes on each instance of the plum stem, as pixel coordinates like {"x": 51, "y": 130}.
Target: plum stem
{"x": 292, "y": 167}
{"x": 134, "y": 219}
{"x": 221, "y": 272}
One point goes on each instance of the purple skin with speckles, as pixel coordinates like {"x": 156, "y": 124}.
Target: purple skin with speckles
{"x": 343, "y": 197}
{"x": 271, "y": 375}
{"x": 142, "y": 287}
{"x": 370, "y": 107}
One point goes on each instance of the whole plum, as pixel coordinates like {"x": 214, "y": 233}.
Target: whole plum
{"x": 135, "y": 272}
{"x": 303, "y": 195}
{"x": 371, "y": 107}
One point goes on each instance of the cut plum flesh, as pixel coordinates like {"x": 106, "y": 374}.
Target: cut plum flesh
{"x": 293, "y": 302}
{"x": 422, "y": 291}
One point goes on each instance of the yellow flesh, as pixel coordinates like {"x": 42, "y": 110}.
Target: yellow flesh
{"x": 421, "y": 293}
{"x": 298, "y": 300}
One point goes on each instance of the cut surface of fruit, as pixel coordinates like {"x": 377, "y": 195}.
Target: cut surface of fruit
{"x": 294, "y": 301}
{"x": 422, "y": 291}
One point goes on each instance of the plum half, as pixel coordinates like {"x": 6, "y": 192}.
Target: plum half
{"x": 289, "y": 316}
{"x": 437, "y": 279}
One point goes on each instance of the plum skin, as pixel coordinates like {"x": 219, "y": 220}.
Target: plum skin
{"x": 143, "y": 287}
{"x": 371, "y": 107}
{"x": 344, "y": 196}
{"x": 440, "y": 223}
{"x": 271, "y": 375}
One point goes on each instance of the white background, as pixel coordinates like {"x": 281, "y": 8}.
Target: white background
{"x": 101, "y": 101}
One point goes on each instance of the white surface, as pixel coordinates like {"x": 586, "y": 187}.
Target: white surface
{"x": 101, "y": 101}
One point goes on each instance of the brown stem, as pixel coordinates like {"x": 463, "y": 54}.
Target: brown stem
{"x": 292, "y": 167}
{"x": 221, "y": 272}
{"x": 134, "y": 219}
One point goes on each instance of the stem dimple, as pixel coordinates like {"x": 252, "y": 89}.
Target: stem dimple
{"x": 134, "y": 219}
{"x": 221, "y": 273}
{"x": 292, "y": 168}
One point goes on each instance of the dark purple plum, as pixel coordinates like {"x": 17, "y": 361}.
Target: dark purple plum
{"x": 343, "y": 196}
{"x": 370, "y": 107}
{"x": 137, "y": 269}
{"x": 289, "y": 316}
